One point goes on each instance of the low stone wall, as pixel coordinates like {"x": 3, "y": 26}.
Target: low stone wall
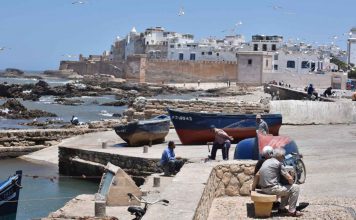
{"x": 76, "y": 162}
{"x": 225, "y": 180}
{"x": 194, "y": 188}
{"x": 14, "y": 143}
{"x": 314, "y": 112}
{"x": 154, "y": 107}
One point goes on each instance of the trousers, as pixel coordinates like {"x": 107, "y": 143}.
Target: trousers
{"x": 224, "y": 148}
{"x": 289, "y": 195}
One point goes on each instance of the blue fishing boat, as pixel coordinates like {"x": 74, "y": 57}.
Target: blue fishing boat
{"x": 9, "y": 196}
{"x": 138, "y": 133}
{"x": 194, "y": 128}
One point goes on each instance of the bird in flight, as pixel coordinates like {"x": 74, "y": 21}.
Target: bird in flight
{"x": 181, "y": 12}
{"x": 79, "y": 2}
{"x": 4, "y": 48}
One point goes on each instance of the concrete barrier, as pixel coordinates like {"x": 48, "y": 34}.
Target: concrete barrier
{"x": 314, "y": 112}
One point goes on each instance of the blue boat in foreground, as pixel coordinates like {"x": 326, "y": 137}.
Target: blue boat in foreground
{"x": 138, "y": 133}
{"x": 9, "y": 196}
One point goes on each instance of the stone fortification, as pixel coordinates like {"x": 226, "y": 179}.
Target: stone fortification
{"x": 190, "y": 71}
{"x": 145, "y": 109}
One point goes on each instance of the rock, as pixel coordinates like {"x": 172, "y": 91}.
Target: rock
{"x": 235, "y": 168}
{"x": 232, "y": 190}
{"x": 13, "y": 109}
{"x": 219, "y": 173}
{"x": 226, "y": 178}
{"x": 220, "y": 190}
{"x": 63, "y": 101}
{"x": 245, "y": 189}
{"x": 234, "y": 182}
{"x": 249, "y": 170}
{"x": 121, "y": 102}
{"x": 243, "y": 178}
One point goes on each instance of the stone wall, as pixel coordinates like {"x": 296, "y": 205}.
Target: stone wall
{"x": 201, "y": 183}
{"x": 153, "y": 107}
{"x": 225, "y": 180}
{"x": 314, "y": 112}
{"x": 71, "y": 163}
{"x": 14, "y": 143}
{"x": 90, "y": 68}
{"x": 320, "y": 81}
{"x": 174, "y": 71}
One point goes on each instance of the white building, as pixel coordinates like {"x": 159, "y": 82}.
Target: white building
{"x": 351, "y": 47}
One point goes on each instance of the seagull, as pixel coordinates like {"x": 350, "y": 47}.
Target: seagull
{"x": 181, "y": 12}
{"x": 79, "y": 2}
{"x": 4, "y": 48}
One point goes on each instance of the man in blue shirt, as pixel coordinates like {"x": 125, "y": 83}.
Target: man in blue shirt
{"x": 169, "y": 162}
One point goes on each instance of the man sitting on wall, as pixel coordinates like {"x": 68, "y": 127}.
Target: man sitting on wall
{"x": 169, "y": 162}
{"x": 222, "y": 141}
{"x": 269, "y": 180}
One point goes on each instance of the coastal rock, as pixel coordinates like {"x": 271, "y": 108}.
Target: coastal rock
{"x": 64, "y": 101}
{"x": 121, "y": 102}
{"x": 13, "y": 109}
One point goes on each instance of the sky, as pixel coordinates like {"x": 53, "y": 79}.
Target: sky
{"x": 37, "y": 33}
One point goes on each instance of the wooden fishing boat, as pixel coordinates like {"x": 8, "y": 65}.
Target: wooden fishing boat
{"x": 194, "y": 128}
{"x": 9, "y": 196}
{"x": 139, "y": 133}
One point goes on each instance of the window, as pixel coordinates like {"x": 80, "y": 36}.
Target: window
{"x": 290, "y": 64}
{"x": 276, "y": 57}
{"x": 210, "y": 53}
{"x": 305, "y": 64}
{"x": 249, "y": 61}
{"x": 255, "y": 47}
{"x": 179, "y": 45}
{"x": 192, "y": 56}
{"x": 181, "y": 56}
{"x": 275, "y": 67}
{"x": 264, "y": 47}
{"x": 274, "y": 48}
{"x": 266, "y": 63}
{"x": 217, "y": 54}
{"x": 202, "y": 53}
{"x": 172, "y": 46}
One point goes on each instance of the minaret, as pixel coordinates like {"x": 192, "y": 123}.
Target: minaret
{"x": 351, "y": 47}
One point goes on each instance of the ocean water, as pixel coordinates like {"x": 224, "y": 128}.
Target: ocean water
{"x": 40, "y": 196}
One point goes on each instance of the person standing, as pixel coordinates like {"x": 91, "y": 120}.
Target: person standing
{"x": 169, "y": 162}
{"x": 261, "y": 125}
{"x": 222, "y": 141}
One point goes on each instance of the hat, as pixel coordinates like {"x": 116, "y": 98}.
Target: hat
{"x": 212, "y": 126}
{"x": 258, "y": 116}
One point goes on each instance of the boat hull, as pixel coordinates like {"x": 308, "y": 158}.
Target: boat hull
{"x": 144, "y": 132}
{"x": 194, "y": 128}
{"x": 9, "y": 196}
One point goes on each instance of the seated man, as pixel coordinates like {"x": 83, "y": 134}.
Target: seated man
{"x": 269, "y": 180}
{"x": 169, "y": 162}
{"x": 222, "y": 141}
{"x": 328, "y": 92}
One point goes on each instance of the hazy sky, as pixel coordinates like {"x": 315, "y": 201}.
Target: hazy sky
{"x": 39, "y": 32}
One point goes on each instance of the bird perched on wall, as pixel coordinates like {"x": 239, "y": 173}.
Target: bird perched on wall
{"x": 181, "y": 12}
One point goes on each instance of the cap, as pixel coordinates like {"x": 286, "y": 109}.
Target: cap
{"x": 258, "y": 116}
{"x": 267, "y": 150}
{"x": 212, "y": 126}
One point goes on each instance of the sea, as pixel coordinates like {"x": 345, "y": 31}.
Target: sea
{"x": 40, "y": 196}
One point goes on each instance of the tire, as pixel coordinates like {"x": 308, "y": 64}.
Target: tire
{"x": 301, "y": 172}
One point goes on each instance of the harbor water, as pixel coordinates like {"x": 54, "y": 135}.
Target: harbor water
{"x": 40, "y": 195}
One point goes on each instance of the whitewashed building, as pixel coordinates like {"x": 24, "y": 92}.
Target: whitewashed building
{"x": 351, "y": 47}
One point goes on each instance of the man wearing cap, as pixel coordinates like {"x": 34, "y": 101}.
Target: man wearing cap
{"x": 261, "y": 125}
{"x": 222, "y": 141}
